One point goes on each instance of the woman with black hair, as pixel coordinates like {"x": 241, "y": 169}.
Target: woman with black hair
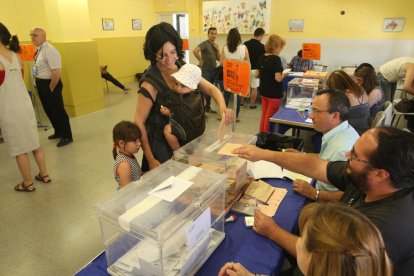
{"x": 163, "y": 48}
{"x": 17, "y": 117}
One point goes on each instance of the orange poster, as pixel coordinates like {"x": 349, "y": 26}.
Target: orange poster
{"x": 27, "y": 52}
{"x": 236, "y": 76}
{"x": 311, "y": 51}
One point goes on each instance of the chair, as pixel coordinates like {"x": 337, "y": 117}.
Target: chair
{"x": 349, "y": 69}
{"x": 320, "y": 67}
{"x": 388, "y": 111}
{"x": 378, "y": 119}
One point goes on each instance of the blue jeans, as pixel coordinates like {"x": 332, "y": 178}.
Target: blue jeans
{"x": 208, "y": 74}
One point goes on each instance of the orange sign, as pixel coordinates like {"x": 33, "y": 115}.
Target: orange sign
{"x": 236, "y": 76}
{"x": 311, "y": 51}
{"x": 27, "y": 52}
{"x": 185, "y": 44}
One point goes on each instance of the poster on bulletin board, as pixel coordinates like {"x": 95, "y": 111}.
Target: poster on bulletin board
{"x": 236, "y": 76}
{"x": 311, "y": 51}
{"x": 246, "y": 15}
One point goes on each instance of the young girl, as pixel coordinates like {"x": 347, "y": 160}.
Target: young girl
{"x": 187, "y": 79}
{"x": 126, "y": 137}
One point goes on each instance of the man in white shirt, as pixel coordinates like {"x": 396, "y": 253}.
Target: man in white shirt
{"x": 330, "y": 111}
{"x": 46, "y": 70}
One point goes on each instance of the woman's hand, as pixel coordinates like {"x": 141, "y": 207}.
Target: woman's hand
{"x": 263, "y": 225}
{"x": 234, "y": 269}
{"x": 228, "y": 115}
{"x": 153, "y": 163}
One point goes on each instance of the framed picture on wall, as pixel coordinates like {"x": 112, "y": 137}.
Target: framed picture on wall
{"x": 296, "y": 25}
{"x": 136, "y": 24}
{"x": 393, "y": 24}
{"x": 107, "y": 24}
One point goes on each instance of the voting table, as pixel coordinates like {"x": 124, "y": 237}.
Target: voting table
{"x": 257, "y": 253}
{"x": 288, "y": 117}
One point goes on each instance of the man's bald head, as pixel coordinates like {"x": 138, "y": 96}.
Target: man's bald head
{"x": 38, "y": 36}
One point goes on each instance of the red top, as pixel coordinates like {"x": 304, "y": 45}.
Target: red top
{"x": 2, "y": 76}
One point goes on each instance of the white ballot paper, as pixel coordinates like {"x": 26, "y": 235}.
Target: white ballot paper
{"x": 199, "y": 228}
{"x": 265, "y": 169}
{"x": 171, "y": 188}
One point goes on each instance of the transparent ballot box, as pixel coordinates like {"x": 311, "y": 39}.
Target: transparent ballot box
{"x": 207, "y": 152}
{"x": 301, "y": 92}
{"x": 167, "y": 223}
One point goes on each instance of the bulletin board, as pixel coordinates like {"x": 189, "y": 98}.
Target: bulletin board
{"x": 246, "y": 15}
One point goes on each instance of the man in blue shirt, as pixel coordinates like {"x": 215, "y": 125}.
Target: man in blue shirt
{"x": 330, "y": 111}
{"x": 298, "y": 64}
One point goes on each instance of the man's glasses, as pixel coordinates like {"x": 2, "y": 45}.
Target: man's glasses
{"x": 352, "y": 157}
{"x": 316, "y": 111}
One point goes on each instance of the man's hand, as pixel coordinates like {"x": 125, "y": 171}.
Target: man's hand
{"x": 263, "y": 225}
{"x": 250, "y": 152}
{"x": 304, "y": 188}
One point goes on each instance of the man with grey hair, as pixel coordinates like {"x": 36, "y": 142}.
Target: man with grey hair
{"x": 46, "y": 71}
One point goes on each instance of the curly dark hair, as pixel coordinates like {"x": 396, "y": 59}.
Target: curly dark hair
{"x": 157, "y": 36}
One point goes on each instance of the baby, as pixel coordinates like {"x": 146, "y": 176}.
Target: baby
{"x": 187, "y": 79}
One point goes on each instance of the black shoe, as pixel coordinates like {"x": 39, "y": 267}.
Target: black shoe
{"x": 53, "y": 136}
{"x": 64, "y": 142}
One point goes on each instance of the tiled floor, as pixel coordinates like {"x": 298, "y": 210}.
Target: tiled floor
{"x": 54, "y": 230}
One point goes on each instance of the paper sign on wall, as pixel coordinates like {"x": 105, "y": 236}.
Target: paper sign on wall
{"x": 311, "y": 51}
{"x": 236, "y": 76}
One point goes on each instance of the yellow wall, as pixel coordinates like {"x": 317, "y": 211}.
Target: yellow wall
{"x": 362, "y": 19}
{"x": 122, "y": 11}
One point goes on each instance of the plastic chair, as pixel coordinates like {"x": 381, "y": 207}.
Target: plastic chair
{"x": 388, "y": 111}
{"x": 379, "y": 119}
{"x": 320, "y": 67}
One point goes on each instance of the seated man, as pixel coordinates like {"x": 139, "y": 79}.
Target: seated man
{"x": 377, "y": 180}
{"x": 330, "y": 112}
{"x": 298, "y": 64}
{"x": 105, "y": 75}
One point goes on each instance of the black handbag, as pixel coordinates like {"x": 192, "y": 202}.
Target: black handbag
{"x": 405, "y": 106}
{"x": 278, "y": 142}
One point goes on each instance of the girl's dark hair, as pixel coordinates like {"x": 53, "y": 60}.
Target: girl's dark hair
{"x": 125, "y": 131}
{"x": 157, "y": 36}
{"x": 233, "y": 40}
{"x": 370, "y": 80}
{"x": 12, "y": 42}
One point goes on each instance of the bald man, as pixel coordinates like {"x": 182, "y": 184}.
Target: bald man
{"x": 46, "y": 71}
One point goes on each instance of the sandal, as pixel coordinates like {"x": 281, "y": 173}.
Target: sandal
{"x": 44, "y": 179}
{"x": 252, "y": 106}
{"x": 23, "y": 188}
